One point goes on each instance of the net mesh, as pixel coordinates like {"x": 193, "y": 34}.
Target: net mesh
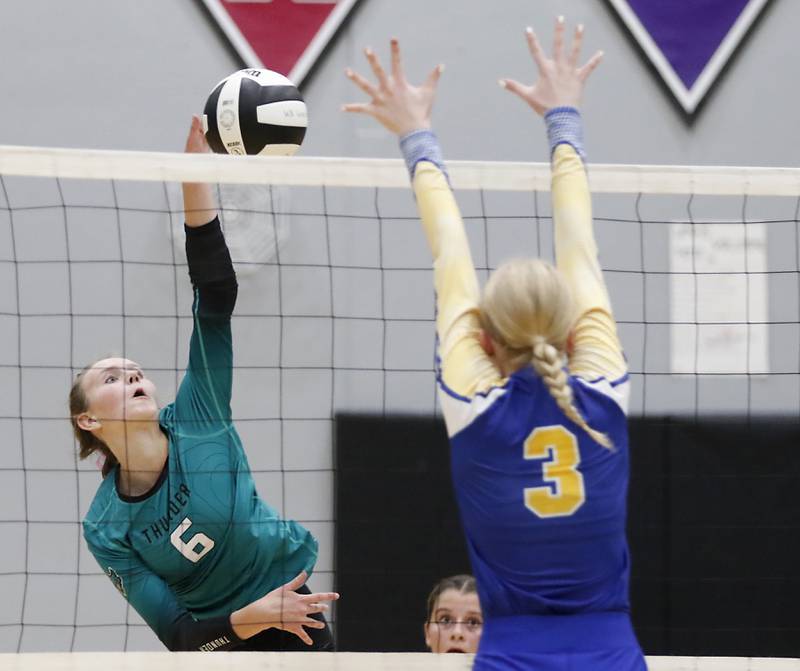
{"x": 335, "y": 314}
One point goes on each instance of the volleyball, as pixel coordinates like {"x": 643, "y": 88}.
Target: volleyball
{"x": 255, "y": 112}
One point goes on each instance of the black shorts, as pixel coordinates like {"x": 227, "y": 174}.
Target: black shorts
{"x": 277, "y": 640}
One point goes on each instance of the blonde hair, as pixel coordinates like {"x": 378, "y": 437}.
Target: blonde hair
{"x": 527, "y": 308}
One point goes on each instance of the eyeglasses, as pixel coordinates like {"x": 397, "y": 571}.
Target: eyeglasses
{"x": 470, "y": 625}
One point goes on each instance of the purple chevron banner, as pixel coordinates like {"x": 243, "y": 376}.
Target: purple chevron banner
{"x": 689, "y": 41}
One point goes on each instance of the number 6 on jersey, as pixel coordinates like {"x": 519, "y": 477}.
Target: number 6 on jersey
{"x": 561, "y": 470}
{"x": 189, "y": 549}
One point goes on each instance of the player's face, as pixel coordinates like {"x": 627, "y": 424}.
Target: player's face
{"x": 117, "y": 390}
{"x": 456, "y": 623}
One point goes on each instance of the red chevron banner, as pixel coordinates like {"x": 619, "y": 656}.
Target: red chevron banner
{"x": 286, "y": 36}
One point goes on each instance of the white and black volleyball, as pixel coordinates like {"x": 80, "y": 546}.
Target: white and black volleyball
{"x": 255, "y": 112}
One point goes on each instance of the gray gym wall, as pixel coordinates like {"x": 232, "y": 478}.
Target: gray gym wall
{"x": 127, "y": 75}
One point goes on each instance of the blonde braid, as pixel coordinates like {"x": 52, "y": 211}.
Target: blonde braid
{"x": 524, "y": 297}
{"x": 549, "y": 365}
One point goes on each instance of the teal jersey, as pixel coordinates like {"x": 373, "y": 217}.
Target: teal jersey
{"x": 201, "y": 541}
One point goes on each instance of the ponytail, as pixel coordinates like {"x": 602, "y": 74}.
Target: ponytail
{"x": 88, "y": 443}
{"x": 549, "y": 365}
{"x": 527, "y": 307}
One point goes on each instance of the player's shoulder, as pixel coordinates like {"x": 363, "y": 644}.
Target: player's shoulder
{"x": 461, "y": 412}
{"x": 188, "y": 420}
{"x": 103, "y": 513}
{"x": 166, "y": 416}
{"x": 103, "y": 496}
{"x": 607, "y": 392}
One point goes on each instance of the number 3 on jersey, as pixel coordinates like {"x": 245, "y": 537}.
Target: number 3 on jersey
{"x": 561, "y": 471}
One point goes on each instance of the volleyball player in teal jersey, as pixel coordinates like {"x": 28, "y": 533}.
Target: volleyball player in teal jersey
{"x": 533, "y": 387}
{"x": 177, "y": 524}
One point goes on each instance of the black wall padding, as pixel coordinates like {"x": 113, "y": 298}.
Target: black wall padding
{"x": 713, "y": 526}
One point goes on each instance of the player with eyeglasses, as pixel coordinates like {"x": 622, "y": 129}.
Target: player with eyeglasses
{"x": 454, "y": 621}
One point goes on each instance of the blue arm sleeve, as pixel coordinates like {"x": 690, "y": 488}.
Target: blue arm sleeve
{"x": 564, "y": 126}
{"x": 422, "y": 145}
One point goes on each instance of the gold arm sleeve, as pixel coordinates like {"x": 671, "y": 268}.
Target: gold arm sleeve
{"x": 464, "y": 367}
{"x": 597, "y": 351}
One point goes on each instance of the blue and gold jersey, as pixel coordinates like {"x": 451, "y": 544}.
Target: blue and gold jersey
{"x": 542, "y": 504}
{"x": 201, "y": 540}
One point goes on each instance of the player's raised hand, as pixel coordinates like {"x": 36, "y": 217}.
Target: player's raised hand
{"x": 198, "y": 199}
{"x": 196, "y": 140}
{"x": 396, "y": 104}
{"x": 561, "y": 79}
{"x": 283, "y": 608}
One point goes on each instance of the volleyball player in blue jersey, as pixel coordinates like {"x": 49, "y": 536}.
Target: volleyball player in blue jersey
{"x": 534, "y": 391}
{"x": 176, "y": 523}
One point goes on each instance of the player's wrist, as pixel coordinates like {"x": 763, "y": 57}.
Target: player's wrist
{"x": 565, "y": 126}
{"x": 246, "y": 622}
{"x": 412, "y": 126}
{"x": 421, "y": 144}
{"x": 238, "y": 625}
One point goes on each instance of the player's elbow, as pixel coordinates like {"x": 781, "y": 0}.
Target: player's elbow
{"x": 177, "y": 636}
{"x": 173, "y": 644}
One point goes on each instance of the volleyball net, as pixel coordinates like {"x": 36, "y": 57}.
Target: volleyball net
{"x": 335, "y": 317}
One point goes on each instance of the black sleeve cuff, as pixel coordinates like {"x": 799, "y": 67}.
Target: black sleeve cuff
{"x": 209, "y": 635}
{"x": 207, "y": 254}
{"x": 210, "y": 268}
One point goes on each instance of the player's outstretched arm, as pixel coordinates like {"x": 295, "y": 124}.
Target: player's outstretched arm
{"x": 198, "y": 199}
{"x": 283, "y": 608}
{"x": 205, "y": 392}
{"x": 556, "y": 95}
{"x": 153, "y": 599}
{"x": 405, "y": 109}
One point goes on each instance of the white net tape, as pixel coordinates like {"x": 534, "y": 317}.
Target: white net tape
{"x": 306, "y": 171}
{"x": 340, "y": 661}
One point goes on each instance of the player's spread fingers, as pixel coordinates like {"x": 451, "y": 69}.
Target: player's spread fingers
{"x": 377, "y": 68}
{"x": 591, "y": 64}
{"x": 558, "y": 40}
{"x": 322, "y": 596}
{"x": 433, "y": 77}
{"x": 302, "y": 634}
{"x": 535, "y": 48}
{"x": 358, "y": 108}
{"x": 361, "y": 82}
{"x": 577, "y": 42}
{"x": 515, "y": 87}
{"x": 397, "y": 62}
